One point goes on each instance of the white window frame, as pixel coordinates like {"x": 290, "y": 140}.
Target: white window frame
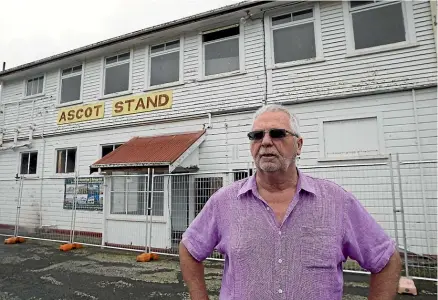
{"x": 269, "y": 36}
{"x": 38, "y": 94}
{"x": 408, "y": 17}
{"x": 20, "y": 154}
{"x": 380, "y": 137}
{"x": 148, "y": 64}
{"x": 76, "y": 161}
{"x": 102, "y": 85}
{"x": 201, "y": 63}
{"x": 60, "y": 77}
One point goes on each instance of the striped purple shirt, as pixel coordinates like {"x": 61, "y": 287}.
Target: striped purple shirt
{"x": 299, "y": 259}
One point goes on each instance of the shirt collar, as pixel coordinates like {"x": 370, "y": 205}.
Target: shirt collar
{"x": 304, "y": 183}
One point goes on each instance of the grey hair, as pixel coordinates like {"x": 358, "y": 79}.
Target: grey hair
{"x": 294, "y": 123}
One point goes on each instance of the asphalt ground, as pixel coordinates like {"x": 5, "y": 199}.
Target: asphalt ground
{"x": 37, "y": 270}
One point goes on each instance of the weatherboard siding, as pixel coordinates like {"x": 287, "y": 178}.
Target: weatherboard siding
{"x": 336, "y": 76}
{"x": 340, "y": 75}
{"x": 226, "y": 147}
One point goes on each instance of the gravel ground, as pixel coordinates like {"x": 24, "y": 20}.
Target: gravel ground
{"x": 35, "y": 270}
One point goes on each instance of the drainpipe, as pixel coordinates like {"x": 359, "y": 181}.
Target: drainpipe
{"x": 420, "y": 157}
{"x": 42, "y": 167}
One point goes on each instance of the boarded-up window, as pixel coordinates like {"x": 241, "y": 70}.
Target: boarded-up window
{"x": 351, "y": 137}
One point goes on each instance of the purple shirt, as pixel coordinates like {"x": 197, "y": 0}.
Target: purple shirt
{"x": 298, "y": 259}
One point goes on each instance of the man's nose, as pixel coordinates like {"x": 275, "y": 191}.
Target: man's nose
{"x": 266, "y": 141}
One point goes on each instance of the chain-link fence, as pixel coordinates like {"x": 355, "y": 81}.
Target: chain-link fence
{"x": 150, "y": 212}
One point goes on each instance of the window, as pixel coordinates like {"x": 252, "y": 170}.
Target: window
{"x": 294, "y": 36}
{"x": 28, "y": 163}
{"x": 164, "y": 63}
{"x": 66, "y": 160}
{"x": 221, "y": 51}
{"x": 117, "y": 73}
{"x": 106, "y": 149}
{"x": 361, "y": 137}
{"x": 35, "y": 86}
{"x": 378, "y": 23}
{"x": 132, "y": 195}
{"x": 71, "y": 81}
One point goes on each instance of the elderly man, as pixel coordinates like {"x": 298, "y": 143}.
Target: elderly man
{"x": 285, "y": 234}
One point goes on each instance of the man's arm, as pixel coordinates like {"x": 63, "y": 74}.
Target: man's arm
{"x": 384, "y": 284}
{"x": 366, "y": 242}
{"x": 193, "y": 274}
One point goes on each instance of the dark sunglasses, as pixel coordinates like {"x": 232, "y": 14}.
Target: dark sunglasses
{"x": 274, "y": 133}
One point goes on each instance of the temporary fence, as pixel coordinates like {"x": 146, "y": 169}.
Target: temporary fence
{"x": 150, "y": 212}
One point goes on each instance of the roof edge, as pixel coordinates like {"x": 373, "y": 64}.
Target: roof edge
{"x": 125, "y": 37}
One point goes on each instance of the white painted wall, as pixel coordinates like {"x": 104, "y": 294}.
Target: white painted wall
{"x": 338, "y": 75}
{"x": 226, "y": 147}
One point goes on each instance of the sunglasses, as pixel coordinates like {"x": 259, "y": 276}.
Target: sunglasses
{"x": 274, "y": 133}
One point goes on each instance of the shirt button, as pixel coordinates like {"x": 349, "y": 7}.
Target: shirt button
{"x": 280, "y": 291}
{"x": 267, "y": 208}
{"x": 279, "y": 233}
{"x": 280, "y": 261}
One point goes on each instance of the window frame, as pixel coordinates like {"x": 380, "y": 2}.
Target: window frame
{"x": 148, "y": 64}
{"x": 103, "y": 72}
{"x": 269, "y": 36}
{"x": 56, "y": 161}
{"x": 408, "y": 18}
{"x": 44, "y": 75}
{"x": 60, "y": 77}
{"x": 20, "y": 154}
{"x": 381, "y": 139}
{"x": 201, "y": 48}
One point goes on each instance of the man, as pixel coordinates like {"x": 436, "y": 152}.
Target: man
{"x": 285, "y": 234}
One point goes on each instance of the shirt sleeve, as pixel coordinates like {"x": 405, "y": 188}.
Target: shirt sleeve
{"x": 202, "y": 235}
{"x": 364, "y": 239}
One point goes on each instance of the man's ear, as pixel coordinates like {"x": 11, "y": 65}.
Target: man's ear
{"x": 299, "y": 145}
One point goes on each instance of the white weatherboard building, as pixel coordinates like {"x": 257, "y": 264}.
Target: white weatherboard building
{"x": 178, "y": 97}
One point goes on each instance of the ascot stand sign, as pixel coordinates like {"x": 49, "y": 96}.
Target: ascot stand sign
{"x": 81, "y": 113}
{"x": 120, "y": 106}
{"x": 142, "y": 103}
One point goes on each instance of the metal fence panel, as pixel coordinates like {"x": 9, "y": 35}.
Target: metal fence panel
{"x": 9, "y": 194}
{"x": 419, "y": 195}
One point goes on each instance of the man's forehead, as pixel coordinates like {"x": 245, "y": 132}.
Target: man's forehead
{"x": 272, "y": 119}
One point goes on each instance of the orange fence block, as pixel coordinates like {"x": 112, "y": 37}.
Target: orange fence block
{"x": 145, "y": 257}
{"x": 14, "y": 240}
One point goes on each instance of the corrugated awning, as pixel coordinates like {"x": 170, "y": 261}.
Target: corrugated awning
{"x": 164, "y": 150}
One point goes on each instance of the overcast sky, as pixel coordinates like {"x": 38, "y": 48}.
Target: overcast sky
{"x": 30, "y": 30}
